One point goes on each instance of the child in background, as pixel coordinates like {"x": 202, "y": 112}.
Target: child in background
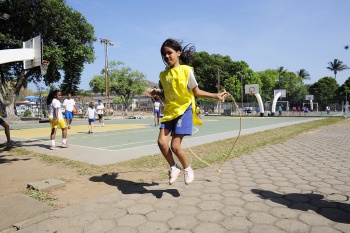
{"x": 156, "y": 110}
{"x": 180, "y": 88}
{"x": 100, "y": 108}
{"x": 91, "y": 116}
{"x": 69, "y": 106}
{"x": 56, "y": 118}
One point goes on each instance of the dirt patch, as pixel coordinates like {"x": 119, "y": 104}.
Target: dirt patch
{"x": 17, "y": 170}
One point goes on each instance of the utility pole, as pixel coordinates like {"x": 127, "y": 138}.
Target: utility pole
{"x": 241, "y": 88}
{"x": 219, "y": 103}
{"x": 107, "y": 42}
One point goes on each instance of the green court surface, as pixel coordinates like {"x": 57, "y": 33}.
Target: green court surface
{"x": 130, "y": 133}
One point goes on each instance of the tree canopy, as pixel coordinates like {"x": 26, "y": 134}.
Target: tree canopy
{"x": 124, "y": 82}
{"x": 67, "y": 43}
{"x": 324, "y": 90}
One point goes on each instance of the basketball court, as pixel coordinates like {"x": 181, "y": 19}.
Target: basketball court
{"x": 125, "y": 139}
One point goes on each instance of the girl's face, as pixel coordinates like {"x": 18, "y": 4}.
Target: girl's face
{"x": 58, "y": 95}
{"x": 171, "y": 57}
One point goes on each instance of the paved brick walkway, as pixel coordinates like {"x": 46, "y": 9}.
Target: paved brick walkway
{"x": 302, "y": 185}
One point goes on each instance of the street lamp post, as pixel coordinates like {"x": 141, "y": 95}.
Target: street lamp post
{"x": 106, "y": 42}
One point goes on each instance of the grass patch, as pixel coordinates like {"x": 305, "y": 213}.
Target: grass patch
{"x": 214, "y": 152}
{"x": 211, "y": 152}
{"x": 43, "y": 197}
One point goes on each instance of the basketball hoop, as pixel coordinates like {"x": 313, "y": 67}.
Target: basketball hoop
{"x": 44, "y": 66}
{"x": 251, "y": 92}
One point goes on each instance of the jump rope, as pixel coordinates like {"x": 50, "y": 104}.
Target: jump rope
{"x": 218, "y": 169}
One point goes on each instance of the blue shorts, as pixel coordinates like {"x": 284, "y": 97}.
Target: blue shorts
{"x": 181, "y": 125}
{"x": 1, "y": 121}
{"x": 156, "y": 111}
{"x": 69, "y": 115}
{"x": 91, "y": 120}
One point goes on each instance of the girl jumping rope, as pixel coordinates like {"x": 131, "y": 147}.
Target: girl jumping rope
{"x": 179, "y": 89}
{"x": 56, "y": 118}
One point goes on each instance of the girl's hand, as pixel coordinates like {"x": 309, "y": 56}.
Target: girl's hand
{"x": 155, "y": 91}
{"x": 223, "y": 95}
{"x": 56, "y": 121}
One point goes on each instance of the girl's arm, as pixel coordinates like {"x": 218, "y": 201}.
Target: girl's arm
{"x": 56, "y": 114}
{"x": 203, "y": 94}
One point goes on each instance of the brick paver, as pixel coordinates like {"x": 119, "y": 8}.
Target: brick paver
{"x": 301, "y": 185}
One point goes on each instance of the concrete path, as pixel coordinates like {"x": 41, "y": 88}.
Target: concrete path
{"x": 302, "y": 185}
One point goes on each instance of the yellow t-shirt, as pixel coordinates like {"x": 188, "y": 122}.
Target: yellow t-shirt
{"x": 177, "y": 95}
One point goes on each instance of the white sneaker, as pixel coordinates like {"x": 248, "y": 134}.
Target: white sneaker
{"x": 188, "y": 176}
{"x": 53, "y": 148}
{"x": 174, "y": 172}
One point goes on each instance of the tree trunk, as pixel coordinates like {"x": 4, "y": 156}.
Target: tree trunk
{"x": 10, "y": 109}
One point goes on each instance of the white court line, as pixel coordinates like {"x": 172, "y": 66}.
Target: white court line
{"x": 132, "y": 143}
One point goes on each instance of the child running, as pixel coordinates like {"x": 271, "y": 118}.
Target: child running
{"x": 56, "y": 118}
{"x": 180, "y": 88}
{"x": 91, "y": 116}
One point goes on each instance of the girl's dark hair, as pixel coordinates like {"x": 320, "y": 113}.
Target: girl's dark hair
{"x": 187, "y": 52}
{"x": 51, "y": 96}
{"x": 91, "y": 105}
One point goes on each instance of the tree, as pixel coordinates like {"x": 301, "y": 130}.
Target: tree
{"x": 268, "y": 79}
{"x": 281, "y": 71}
{"x": 124, "y": 82}
{"x": 68, "y": 44}
{"x": 303, "y": 74}
{"x": 324, "y": 90}
{"x": 336, "y": 66}
{"x": 344, "y": 91}
{"x": 207, "y": 68}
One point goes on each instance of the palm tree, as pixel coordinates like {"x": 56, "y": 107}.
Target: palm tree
{"x": 303, "y": 74}
{"x": 336, "y": 66}
{"x": 280, "y": 71}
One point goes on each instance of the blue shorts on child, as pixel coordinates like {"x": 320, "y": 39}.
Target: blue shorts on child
{"x": 180, "y": 125}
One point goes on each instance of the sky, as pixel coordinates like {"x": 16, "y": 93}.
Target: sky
{"x": 266, "y": 34}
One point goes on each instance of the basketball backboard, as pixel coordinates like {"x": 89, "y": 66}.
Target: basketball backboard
{"x": 309, "y": 97}
{"x": 36, "y": 44}
{"x": 282, "y": 91}
{"x": 251, "y": 89}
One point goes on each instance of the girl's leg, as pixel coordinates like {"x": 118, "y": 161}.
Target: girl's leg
{"x": 89, "y": 127}
{"x": 155, "y": 119}
{"x": 163, "y": 143}
{"x": 178, "y": 151}
{"x": 53, "y": 133}
{"x": 92, "y": 126}
{"x": 53, "y": 137}
{"x": 64, "y": 133}
{"x": 7, "y": 132}
{"x": 176, "y": 148}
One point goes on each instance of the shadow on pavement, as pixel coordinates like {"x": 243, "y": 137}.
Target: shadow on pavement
{"x": 335, "y": 211}
{"x": 6, "y": 160}
{"x": 130, "y": 187}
